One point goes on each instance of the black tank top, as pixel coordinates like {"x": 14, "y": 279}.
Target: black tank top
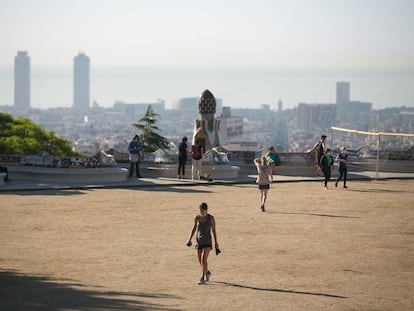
{"x": 203, "y": 230}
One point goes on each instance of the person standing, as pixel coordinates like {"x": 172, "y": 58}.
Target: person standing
{"x": 134, "y": 149}
{"x": 196, "y": 155}
{"x": 4, "y": 169}
{"x": 182, "y": 157}
{"x": 205, "y": 225}
{"x": 265, "y": 177}
{"x": 342, "y": 157}
{"x": 326, "y": 165}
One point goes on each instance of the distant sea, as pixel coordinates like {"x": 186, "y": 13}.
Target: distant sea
{"x": 238, "y": 88}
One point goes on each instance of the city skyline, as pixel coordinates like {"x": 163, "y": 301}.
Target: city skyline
{"x": 53, "y": 87}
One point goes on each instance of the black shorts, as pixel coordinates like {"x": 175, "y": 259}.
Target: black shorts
{"x": 264, "y": 186}
{"x": 203, "y": 246}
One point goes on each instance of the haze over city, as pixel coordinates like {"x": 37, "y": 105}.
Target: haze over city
{"x": 248, "y": 53}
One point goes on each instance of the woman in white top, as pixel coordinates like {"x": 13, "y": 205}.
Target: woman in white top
{"x": 264, "y": 179}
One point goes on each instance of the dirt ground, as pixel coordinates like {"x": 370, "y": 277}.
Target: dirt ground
{"x": 124, "y": 249}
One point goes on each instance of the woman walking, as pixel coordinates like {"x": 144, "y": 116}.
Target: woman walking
{"x": 342, "y": 157}
{"x": 204, "y": 224}
{"x": 265, "y": 177}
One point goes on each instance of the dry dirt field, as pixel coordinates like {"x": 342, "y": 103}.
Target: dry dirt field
{"x": 124, "y": 249}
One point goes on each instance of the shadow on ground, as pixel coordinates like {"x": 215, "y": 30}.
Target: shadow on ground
{"x": 313, "y": 214}
{"x": 385, "y": 191}
{"x": 20, "y": 291}
{"x": 83, "y": 190}
{"x": 286, "y": 291}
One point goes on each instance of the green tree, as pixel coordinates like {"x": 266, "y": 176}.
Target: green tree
{"x": 147, "y": 126}
{"x": 20, "y": 136}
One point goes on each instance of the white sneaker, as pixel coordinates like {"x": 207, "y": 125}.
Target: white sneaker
{"x": 201, "y": 281}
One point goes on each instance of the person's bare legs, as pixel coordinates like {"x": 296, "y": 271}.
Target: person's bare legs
{"x": 263, "y": 196}
{"x": 202, "y": 255}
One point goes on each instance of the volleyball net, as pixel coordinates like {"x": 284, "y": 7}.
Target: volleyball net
{"x": 374, "y": 146}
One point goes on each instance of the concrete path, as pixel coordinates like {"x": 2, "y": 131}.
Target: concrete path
{"x": 21, "y": 184}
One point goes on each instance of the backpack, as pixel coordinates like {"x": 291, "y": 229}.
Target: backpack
{"x": 196, "y": 152}
{"x": 277, "y": 160}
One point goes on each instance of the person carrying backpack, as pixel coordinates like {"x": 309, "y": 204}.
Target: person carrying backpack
{"x": 196, "y": 155}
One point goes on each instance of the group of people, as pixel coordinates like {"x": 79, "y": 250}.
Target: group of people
{"x": 204, "y": 227}
{"x": 325, "y": 162}
{"x": 196, "y": 153}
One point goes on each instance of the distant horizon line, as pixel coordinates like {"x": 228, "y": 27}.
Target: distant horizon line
{"x": 224, "y": 68}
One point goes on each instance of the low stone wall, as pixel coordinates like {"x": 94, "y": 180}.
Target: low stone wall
{"x": 69, "y": 175}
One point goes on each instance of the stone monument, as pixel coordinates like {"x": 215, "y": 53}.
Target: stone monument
{"x": 206, "y": 128}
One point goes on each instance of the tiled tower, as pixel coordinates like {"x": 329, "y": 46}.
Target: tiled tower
{"x": 206, "y": 128}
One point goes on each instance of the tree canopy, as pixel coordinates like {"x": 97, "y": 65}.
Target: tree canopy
{"x": 148, "y": 129}
{"x": 21, "y": 136}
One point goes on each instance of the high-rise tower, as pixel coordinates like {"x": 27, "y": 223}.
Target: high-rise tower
{"x": 22, "y": 81}
{"x": 342, "y": 99}
{"x": 342, "y": 93}
{"x": 81, "y": 83}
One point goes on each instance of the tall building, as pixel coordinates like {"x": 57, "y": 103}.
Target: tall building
{"x": 81, "y": 83}
{"x": 22, "y": 81}
{"x": 342, "y": 92}
{"x": 231, "y": 127}
{"x": 342, "y": 99}
{"x": 315, "y": 116}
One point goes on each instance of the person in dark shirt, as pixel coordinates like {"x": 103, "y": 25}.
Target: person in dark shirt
{"x": 134, "y": 149}
{"x": 4, "y": 169}
{"x": 204, "y": 225}
{"x": 342, "y": 157}
{"x": 182, "y": 157}
{"x": 319, "y": 148}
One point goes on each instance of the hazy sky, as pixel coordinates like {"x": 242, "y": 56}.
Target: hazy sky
{"x": 213, "y": 33}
